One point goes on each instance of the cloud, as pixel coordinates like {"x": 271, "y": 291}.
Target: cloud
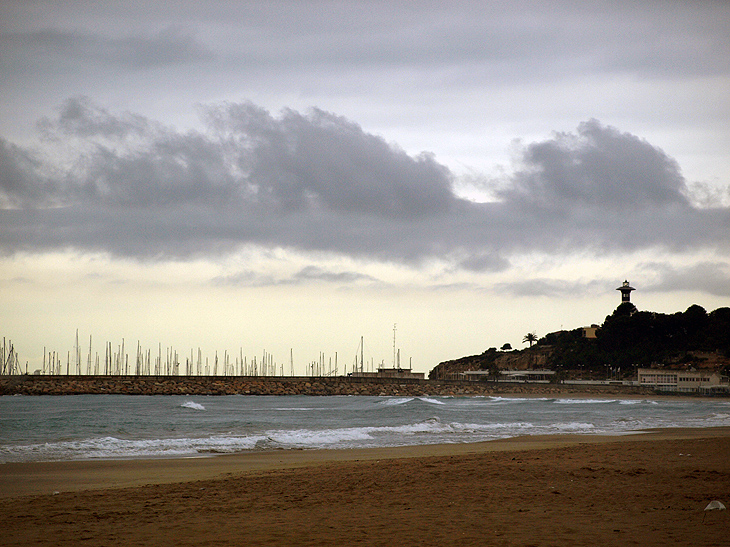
{"x": 307, "y": 274}
{"x": 246, "y": 278}
{"x": 327, "y": 162}
{"x": 705, "y": 276}
{"x": 17, "y": 184}
{"x": 708, "y": 277}
{"x": 480, "y": 262}
{"x": 598, "y": 167}
{"x": 708, "y": 196}
{"x": 606, "y": 190}
{"x": 315, "y": 273}
{"x": 80, "y": 117}
{"x": 316, "y": 181}
{"x": 553, "y": 288}
{"x": 171, "y": 46}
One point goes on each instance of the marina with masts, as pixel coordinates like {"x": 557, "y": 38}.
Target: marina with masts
{"x": 116, "y": 360}
{"x": 395, "y": 372}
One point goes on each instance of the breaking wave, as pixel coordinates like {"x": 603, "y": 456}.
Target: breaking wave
{"x": 127, "y": 427}
{"x": 193, "y": 405}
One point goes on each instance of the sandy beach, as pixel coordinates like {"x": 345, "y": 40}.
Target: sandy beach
{"x": 644, "y": 489}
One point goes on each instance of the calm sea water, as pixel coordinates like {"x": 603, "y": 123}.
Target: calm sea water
{"x": 118, "y": 426}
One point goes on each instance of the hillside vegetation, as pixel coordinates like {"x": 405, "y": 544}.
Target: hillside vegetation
{"x": 627, "y": 339}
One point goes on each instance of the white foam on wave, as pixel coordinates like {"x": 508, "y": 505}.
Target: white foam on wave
{"x": 318, "y": 438}
{"x": 624, "y": 422}
{"x": 432, "y": 401}
{"x": 637, "y": 402}
{"x": 395, "y": 401}
{"x": 430, "y": 430}
{"x": 347, "y": 436}
{"x": 584, "y": 401}
{"x": 429, "y": 426}
{"x": 228, "y": 426}
{"x": 192, "y": 405}
{"x": 115, "y": 448}
{"x": 498, "y": 399}
{"x": 494, "y": 429}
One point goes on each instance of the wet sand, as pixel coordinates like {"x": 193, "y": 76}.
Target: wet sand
{"x": 645, "y": 489}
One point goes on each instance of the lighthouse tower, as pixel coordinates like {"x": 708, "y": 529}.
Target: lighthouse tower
{"x": 625, "y": 289}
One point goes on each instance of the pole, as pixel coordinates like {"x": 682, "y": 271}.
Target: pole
{"x": 394, "y": 356}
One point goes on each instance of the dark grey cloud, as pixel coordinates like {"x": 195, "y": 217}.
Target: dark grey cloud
{"x": 470, "y": 40}
{"x": 327, "y": 162}
{"x": 171, "y": 46}
{"x": 477, "y": 40}
{"x": 598, "y": 167}
{"x": 79, "y": 117}
{"x": 318, "y": 182}
{"x": 17, "y": 183}
{"x": 605, "y": 190}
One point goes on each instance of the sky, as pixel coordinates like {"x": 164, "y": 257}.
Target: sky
{"x": 288, "y": 177}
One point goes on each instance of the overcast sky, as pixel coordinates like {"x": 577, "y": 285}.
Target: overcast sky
{"x": 289, "y": 176}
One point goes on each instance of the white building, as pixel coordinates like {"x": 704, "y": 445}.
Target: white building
{"x": 680, "y": 380}
{"x": 539, "y": 376}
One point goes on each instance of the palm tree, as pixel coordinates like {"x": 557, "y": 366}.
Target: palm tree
{"x": 530, "y": 338}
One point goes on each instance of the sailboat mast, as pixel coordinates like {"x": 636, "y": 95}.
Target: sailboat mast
{"x": 394, "y": 352}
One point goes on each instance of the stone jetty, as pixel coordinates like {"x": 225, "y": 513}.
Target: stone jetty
{"x": 294, "y": 385}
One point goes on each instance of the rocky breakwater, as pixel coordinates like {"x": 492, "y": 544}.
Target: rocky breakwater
{"x": 243, "y": 385}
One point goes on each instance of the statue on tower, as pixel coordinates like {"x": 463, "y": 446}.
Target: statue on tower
{"x": 625, "y": 289}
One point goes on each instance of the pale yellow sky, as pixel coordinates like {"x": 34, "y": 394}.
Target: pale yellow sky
{"x": 47, "y": 297}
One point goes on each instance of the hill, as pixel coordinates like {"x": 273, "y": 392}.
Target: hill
{"x": 626, "y": 340}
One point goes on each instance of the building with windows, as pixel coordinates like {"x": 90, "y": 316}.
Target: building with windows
{"x": 390, "y": 373}
{"x": 685, "y": 381}
{"x": 540, "y": 376}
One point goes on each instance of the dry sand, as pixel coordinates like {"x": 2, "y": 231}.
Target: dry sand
{"x": 647, "y": 489}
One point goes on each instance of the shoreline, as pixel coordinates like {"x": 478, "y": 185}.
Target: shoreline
{"x": 18, "y": 479}
{"x": 644, "y": 487}
{"x": 649, "y": 489}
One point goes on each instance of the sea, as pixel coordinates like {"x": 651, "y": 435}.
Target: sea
{"x": 90, "y": 427}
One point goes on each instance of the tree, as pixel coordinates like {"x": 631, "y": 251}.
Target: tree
{"x": 530, "y": 338}
{"x": 506, "y": 347}
{"x": 624, "y": 309}
{"x": 494, "y": 373}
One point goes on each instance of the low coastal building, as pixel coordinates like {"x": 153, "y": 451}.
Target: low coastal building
{"x": 390, "y": 373}
{"x": 541, "y": 376}
{"x": 684, "y": 381}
